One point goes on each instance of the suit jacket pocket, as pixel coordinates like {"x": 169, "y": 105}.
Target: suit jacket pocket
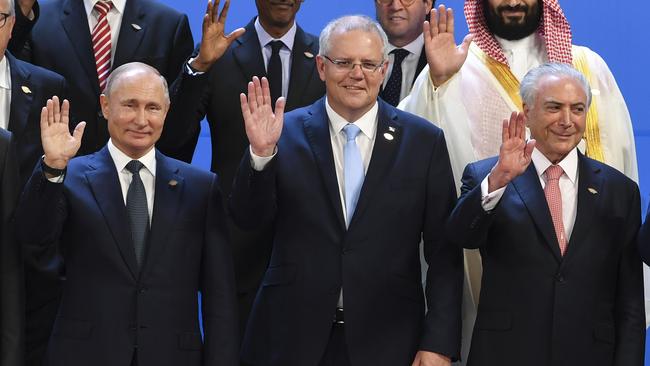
{"x": 279, "y": 275}
{"x": 605, "y": 333}
{"x": 190, "y": 341}
{"x": 72, "y": 328}
{"x": 494, "y": 320}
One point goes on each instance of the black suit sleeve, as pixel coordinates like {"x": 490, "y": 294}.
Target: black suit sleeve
{"x": 12, "y": 292}
{"x": 444, "y": 282}
{"x": 630, "y": 310}
{"x": 18, "y": 44}
{"x": 218, "y": 293}
{"x": 644, "y": 239}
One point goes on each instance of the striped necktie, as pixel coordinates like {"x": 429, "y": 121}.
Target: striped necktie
{"x": 101, "y": 38}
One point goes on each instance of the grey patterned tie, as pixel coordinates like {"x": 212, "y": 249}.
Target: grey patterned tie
{"x": 136, "y": 205}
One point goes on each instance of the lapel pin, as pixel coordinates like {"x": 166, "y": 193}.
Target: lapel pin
{"x": 135, "y": 26}
{"x": 309, "y": 54}
{"x": 391, "y": 128}
{"x": 388, "y": 136}
{"x": 173, "y": 183}
{"x": 26, "y": 89}
{"x": 592, "y": 190}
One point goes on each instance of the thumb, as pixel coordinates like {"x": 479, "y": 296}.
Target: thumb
{"x": 235, "y": 34}
{"x": 466, "y": 42}
{"x": 528, "y": 150}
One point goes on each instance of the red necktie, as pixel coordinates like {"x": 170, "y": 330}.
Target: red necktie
{"x": 554, "y": 199}
{"x": 101, "y": 38}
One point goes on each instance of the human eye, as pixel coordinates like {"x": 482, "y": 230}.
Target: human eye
{"x": 369, "y": 66}
{"x": 344, "y": 64}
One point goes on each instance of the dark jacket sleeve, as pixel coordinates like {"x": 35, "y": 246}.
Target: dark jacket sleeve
{"x": 644, "y": 239}
{"x": 444, "y": 281}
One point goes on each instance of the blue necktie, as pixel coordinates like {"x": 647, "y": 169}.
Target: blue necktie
{"x": 136, "y": 206}
{"x": 353, "y": 172}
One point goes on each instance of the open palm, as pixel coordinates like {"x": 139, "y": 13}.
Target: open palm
{"x": 263, "y": 126}
{"x": 214, "y": 42}
{"x": 59, "y": 145}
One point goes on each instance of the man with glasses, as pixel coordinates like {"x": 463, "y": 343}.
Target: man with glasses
{"x": 402, "y": 21}
{"x": 352, "y": 185}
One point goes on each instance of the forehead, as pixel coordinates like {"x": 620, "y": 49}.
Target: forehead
{"x": 562, "y": 89}
{"x": 138, "y": 84}
{"x": 357, "y": 43}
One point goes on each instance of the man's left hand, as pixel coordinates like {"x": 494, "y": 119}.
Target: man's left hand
{"x": 425, "y": 358}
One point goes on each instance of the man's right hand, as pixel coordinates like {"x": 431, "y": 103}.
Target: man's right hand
{"x": 515, "y": 153}
{"x": 59, "y": 145}
{"x": 443, "y": 56}
{"x": 214, "y": 41}
{"x": 263, "y": 127}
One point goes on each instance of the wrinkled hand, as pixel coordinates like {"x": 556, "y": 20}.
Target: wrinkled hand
{"x": 263, "y": 127}
{"x": 514, "y": 154}
{"x": 443, "y": 56}
{"x": 425, "y": 358}
{"x": 59, "y": 145}
{"x": 214, "y": 41}
{"x": 26, "y": 6}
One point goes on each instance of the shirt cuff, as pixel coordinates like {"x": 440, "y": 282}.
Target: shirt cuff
{"x": 259, "y": 162}
{"x": 190, "y": 71}
{"x": 58, "y": 179}
{"x": 490, "y": 200}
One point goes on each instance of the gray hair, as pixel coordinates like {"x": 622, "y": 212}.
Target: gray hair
{"x": 350, "y": 23}
{"x": 530, "y": 84}
{"x": 12, "y": 9}
{"x": 117, "y": 74}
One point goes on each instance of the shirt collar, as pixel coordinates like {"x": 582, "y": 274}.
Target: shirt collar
{"x": 366, "y": 123}
{"x": 121, "y": 159}
{"x": 5, "y": 74}
{"x": 569, "y": 164}
{"x": 532, "y": 41}
{"x": 265, "y": 38}
{"x": 118, "y": 5}
{"x": 414, "y": 47}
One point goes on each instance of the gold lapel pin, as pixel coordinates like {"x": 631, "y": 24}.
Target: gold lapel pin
{"x": 592, "y": 190}
{"x": 135, "y": 26}
{"x": 173, "y": 183}
{"x": 26, "y": 89}
{"x": 389, "y": 136}
{"x": 309, "y": 54}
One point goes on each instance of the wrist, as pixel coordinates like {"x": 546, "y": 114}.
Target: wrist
{"x": 263, "y": 152}
{"x": 55, "y": 164}
{"x": 497, "y": 179}
{"x": 50, "y": 171}
{"x": 438, "y": 80}
{"x": 197, "y": 64}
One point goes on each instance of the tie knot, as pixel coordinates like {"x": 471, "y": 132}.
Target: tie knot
{"x": 103, "y": 7}
{"x": 134, "y": 166}
{"x": 400, "y": 55}
{"x": 554, "y": 172}
{"x": 351, "y": 131}
{"x": 276, "y": 46}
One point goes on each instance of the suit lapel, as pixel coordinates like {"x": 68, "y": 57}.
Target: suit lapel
{"x": 130, "y": 37}
{"x": 317, "y": 131}
{"x": 106, "y": 189}
{"x": 531, "y": 193}
{"x": 75, "y": 24}
{"x": 248, "y": 54}
{"x": 21, "y": 96}
{"x": 302, "y": 67}
{"x": 169, "y": 190}
{"x": 589, "y": 184}
{"x": 383, "y": 154}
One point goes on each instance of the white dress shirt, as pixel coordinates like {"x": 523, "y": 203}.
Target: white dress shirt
{"x": 114, "y": 20}
{"x": 285, "y": 52}
{"x": 409, "y": 64}
{"x": 568, "y": 187}
{"x": 5, "y": 93}
{"x": 147, "y": 173}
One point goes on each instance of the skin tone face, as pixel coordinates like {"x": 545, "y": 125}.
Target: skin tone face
{"x": 558, "y": 117}
{"x": 402, "y": 23}
{"x": 135, "y": 108}
{"x": 512, "y": 19}
{"x": 277, "y": 16}
{"x": 5, "y": 31}
{"x": 352, "y": 93}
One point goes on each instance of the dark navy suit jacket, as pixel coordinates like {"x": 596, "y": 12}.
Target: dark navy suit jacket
{"x": 407, "y": 194}
{"x": 537, "y": 307}
{"x": 109, "y": 307}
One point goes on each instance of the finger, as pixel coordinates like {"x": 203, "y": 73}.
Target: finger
{"x": 442, "y": 19}
{"x": 224, "y": 12}
{"x": 50, "y": 111}
{"x": 258, "y": 91}
{"x": 235, "y": 34}
{"x": 57, "y": 109}
{"x": 208, "y": 14}
{"x": 245, "y": 108}
{"x": 528, "y": 151}
{"x": 521, "y": 126}
{"x": 505, "y": 135}
{"x": 450, "y": 20}
{"x": 44, "y": 122}
{"x": 215, "y": 12}
{"x": 512, "y": 126}
{"x": 65, "y": 112}
{"x": 279, "y": 110}
{"x": 266, "y": 92}
{"x": 426, "y": 31}
{"x": 433, "y": 20}
{"x": 252, "y": 98}
{"x": 79, "y": 132}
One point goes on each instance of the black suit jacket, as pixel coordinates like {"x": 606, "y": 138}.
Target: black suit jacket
{"x": 151, "y": 32}
{"x": 215, "y": 94}
{"x": 538, "y": 308}
{"x": 407, "y": 194}
{"x": 644, "y": 239}
{"x": 109, "y": 307}
{"x": 31, "y": 87}
{"x": 12, "y": 290}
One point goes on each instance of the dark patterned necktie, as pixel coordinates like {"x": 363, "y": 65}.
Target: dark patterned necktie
{"x": 136, "y": 206}
{"x": 393, "y": 87}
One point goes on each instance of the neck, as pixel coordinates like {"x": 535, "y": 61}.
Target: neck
{"x": 276, "y": 31}
{"x": 402, "y": 41}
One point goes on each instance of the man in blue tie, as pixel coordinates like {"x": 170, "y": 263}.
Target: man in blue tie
{"x": 352, "y": 185}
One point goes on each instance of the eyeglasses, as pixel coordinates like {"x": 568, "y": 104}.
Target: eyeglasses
{"x": 388, "y": 2}
{"x": 347, "y": 65}
{"x": 3, "y": 19}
